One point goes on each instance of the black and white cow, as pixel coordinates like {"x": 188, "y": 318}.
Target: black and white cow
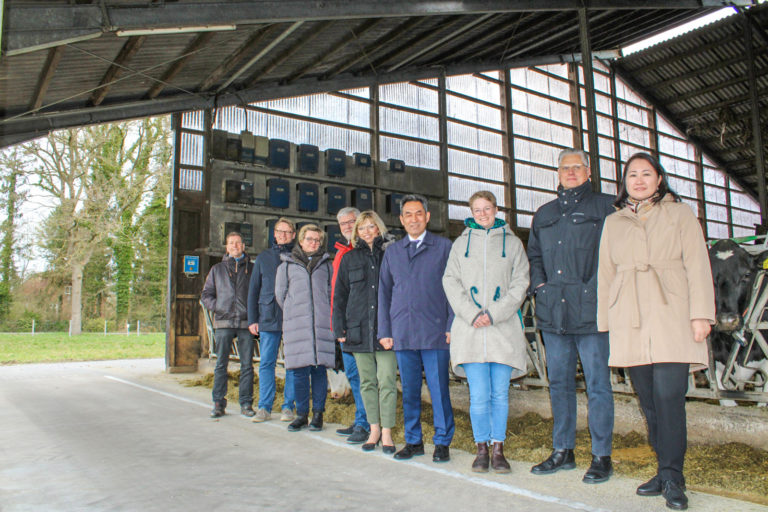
{"x": 733, "y": 272}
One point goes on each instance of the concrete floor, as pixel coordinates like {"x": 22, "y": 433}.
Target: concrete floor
{"x": 124, "y": 435}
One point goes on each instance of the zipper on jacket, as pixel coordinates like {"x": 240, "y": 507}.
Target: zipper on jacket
{"x": 485, "y": 290}
{"x": 312, "y": 308}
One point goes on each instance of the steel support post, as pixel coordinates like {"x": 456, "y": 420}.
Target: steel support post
{"x": 589, "y": 94}
{"x": 757, "y": 134}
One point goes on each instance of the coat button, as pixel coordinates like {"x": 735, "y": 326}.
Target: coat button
{"x": 559, "y": 271}
{"x": 562, "y": 300}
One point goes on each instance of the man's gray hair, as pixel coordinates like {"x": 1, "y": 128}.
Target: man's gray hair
{"x": 346, "y": 211}
{"x": 414, "y": 197}
{"x": 573, "y": 151}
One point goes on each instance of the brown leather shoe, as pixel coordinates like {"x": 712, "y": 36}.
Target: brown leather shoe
{"x": 498, "y": 461}
{"x": 480, "y": 464}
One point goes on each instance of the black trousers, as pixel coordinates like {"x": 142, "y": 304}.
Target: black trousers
{"x": 661, "y": 389}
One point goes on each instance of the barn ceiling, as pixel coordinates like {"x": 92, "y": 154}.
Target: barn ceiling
{"x": 75, "y": 62}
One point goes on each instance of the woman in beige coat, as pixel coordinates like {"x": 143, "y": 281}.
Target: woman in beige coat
{"x": 485, "y": 280}
{"x": 656, "y": 299}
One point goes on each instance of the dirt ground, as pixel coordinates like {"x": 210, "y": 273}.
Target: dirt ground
{"x": 730, "y": 469}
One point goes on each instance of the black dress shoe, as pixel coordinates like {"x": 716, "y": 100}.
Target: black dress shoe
{"x": 559, "y": 459}
{"x": 317, "y": 422}
{"x": 650, "y": 488}
{"x": 369, "y": 447}
{"x": 673, "y": 493}
{"x": 389, "y": 449}
{"x": 409, "y": 451}
{"x": 347, "y": 431}
{"x": 299, "y": 423}
{"x": 441, "y": 453}
{"x": 599, "y": 471}
{"x": 358, "y": 436}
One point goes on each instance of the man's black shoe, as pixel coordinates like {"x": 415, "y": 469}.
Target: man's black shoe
{"x": 559, "y": 459}
{"x": 359, "y": 435}
{"x": 247, "y": 411}
{"x": 218, "y": 409}
{"x": 299, "y": 423}
{"x": 345, "y": 431}
{"x": 599, "y": 471}
{"x": 441, "y": 453}
{"x": 409, "y": 451}
{"x": 317, "y": 421}
{"x": 673, "y": 493}
{"x": 650, "y": 488}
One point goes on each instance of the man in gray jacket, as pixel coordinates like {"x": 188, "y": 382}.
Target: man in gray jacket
{"x": 225, "y": 293}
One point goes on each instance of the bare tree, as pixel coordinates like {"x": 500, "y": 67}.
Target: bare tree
{"x": 95, "y": 177}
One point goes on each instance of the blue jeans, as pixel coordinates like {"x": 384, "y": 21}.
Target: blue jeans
{"x": 304, "y": 378}
{"x": 488, "y": 400}
{"x": 593, "y": 350}
{"x": 224, "y": 339}
{"x": 269, "y": 343}
{"x": 350, "y": 370}
{"x": 435, "y": 364}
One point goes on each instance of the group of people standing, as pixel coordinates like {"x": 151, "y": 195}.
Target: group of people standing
{"x": 617, "y": 281}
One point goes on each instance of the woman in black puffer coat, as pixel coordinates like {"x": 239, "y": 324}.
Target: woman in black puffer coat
{"x": 355, "y": 302}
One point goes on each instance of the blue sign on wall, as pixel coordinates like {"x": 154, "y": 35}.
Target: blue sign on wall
{"x": 191, "y": 264}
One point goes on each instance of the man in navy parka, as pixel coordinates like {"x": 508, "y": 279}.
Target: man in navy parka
{"x": 415, "y": 318}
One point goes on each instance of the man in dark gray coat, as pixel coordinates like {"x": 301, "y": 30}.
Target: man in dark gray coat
{"x": 225, "y": 293}
{"x": 562, "y": 250}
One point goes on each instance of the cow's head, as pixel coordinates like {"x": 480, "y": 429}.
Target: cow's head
{"x": 733, "y": 272}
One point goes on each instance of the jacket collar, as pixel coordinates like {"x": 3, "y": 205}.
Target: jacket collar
{"x": 568, "y": 198}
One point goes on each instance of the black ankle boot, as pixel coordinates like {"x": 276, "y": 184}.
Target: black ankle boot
{"x": 299, "y": 423}
{"x": 317, "y": 421}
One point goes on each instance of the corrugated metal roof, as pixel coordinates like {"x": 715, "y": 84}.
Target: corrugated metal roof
{"x": 277, "y": 49}
{"x": 700, "y": 81}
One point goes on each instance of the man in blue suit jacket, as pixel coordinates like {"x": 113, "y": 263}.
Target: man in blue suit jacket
{"x": 414, "y": 317}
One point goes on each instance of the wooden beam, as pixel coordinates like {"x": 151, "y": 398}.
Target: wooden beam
{"x": 314, "y": 32}
{"x": 175, "y": 68}
{"x": 46, "y": 76}
{"x": 235, "y": 57}
{"x": 381, "y": 42}
{"x": 130, "y": 48}
{"x": 330, "y": 52}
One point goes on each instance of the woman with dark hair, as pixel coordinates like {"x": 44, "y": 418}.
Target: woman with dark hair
{"x": 303, "y": 291}
{"x": 656, "y": 299}
{"x": 355, "y": 309}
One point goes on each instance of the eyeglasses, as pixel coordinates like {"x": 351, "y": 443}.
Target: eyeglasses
{"x": 367, "y": 227}
{"x": 478, "y": 211}
{"x": 347, "y": 223}
{"x": 312, "y": 240}
{"x": 283, "y": 231}
{"x": 574, "y": 168}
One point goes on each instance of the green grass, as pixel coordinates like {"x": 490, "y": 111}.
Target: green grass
{"x": 53, "y": 347}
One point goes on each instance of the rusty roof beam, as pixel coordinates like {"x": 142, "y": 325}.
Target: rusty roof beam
{"x": 46, "y": 77}
{"x": 130, "y": 48}
{"x": 314, "y": 32}
{"x": 375, "y": 46}
{"x": 339, "y": 45}
{"x": 175, "y": 68}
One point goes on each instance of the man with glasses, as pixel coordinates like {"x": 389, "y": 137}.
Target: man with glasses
{"x": 225, "y": 293}
{"x": 562, "y": 250}
{"x": 356, "y": 433}
{"x": 265, "y": 318}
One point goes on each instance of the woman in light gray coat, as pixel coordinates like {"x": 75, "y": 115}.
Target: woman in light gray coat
{"x": 303, "y": 291}
{"x": 485, "y": 280}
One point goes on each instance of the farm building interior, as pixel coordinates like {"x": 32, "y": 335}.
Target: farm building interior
{"x": 294, "y": 107}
